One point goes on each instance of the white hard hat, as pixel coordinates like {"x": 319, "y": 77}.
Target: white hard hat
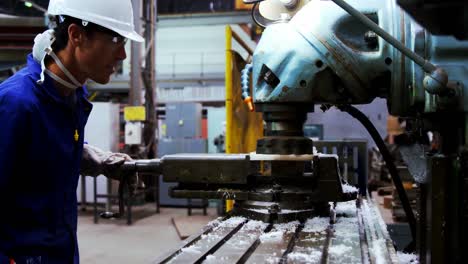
{"x": 116, "y": 15}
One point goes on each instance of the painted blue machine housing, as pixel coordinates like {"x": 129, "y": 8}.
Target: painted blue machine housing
{"x": 292, "y": 58}
{"x": 322, "y": 56}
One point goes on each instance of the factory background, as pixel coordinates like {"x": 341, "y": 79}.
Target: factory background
{"x": 169, "y": 96}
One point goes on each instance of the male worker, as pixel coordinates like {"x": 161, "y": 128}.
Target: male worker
{"x": 43, "y": 112}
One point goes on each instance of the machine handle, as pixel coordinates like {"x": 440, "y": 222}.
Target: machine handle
{"x": 153, "y": 166}
{"x": 113, "y": 215}
{"x": 149, "y": 166}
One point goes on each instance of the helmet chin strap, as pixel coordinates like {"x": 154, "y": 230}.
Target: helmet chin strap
{"x": 74, "y": 83}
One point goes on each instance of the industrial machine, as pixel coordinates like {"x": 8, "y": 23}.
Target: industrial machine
{"x": 329, "y": 53}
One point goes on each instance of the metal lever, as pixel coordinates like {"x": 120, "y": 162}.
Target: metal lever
{"x": 434, "y": 83}
{"x": 146, "y": 166}
{"x": 121, "y": 213}
{"x": 149, "y": 166}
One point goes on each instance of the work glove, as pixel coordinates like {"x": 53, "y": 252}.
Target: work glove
{"x": 95, "y": 162}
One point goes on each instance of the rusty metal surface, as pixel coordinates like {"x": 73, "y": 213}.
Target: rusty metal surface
{"x": 357, "y": 235}
{"x": 270, "y": 197}
{"x": 206, "y": 168}
{"x": 246, "y": 126}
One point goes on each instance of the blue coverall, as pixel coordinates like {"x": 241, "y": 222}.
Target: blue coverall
{"x": 41, "y": 145}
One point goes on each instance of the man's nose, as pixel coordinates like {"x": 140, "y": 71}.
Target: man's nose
{"x": 121, "y": 53}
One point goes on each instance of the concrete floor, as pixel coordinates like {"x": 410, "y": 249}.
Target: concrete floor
{"x": 151, "y": 235}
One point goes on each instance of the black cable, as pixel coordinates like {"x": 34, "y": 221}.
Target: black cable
{"x": 354, "y": 112}
{"x": 248, "y": 2}
{"x": 252, "y": 13}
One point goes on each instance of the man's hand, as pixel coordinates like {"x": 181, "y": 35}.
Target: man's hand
{"x": 96, "y": 162}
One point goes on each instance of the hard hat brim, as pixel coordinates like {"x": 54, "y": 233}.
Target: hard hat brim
{"x": 131, "y": 35}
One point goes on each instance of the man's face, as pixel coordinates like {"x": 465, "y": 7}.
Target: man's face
{"x": 99, "y": 56}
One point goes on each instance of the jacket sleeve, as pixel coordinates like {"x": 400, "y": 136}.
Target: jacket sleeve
{"x": 13, "y": 120}
{"x": 4, "y": 259}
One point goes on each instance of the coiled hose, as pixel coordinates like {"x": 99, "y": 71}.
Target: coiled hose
{"x": 245, "y": 86}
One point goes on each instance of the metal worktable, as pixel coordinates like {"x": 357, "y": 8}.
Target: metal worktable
{"x": 353, "y": 233}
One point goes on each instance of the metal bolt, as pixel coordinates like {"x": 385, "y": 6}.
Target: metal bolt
{"x": 277, "y": 188}
{"x": 332, "y": 216}
{"x": 274, "y": 209}
{"x": 371, "y": 38}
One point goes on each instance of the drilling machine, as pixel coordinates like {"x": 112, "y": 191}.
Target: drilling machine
{"x": 291, "y": 202}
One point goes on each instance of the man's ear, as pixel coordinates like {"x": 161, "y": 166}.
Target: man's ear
{"x": 76, "y": 35}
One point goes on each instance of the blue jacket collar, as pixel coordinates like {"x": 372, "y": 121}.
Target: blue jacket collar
{"x": 48, "y": 88}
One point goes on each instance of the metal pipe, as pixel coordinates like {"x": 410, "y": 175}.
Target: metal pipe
{"x": 242, "y": 43}
{"x": 150, "y": 166}
{"x": 134, "y": 98}
{"x": 149, "y": 78}
{"x": 425, "y": 65}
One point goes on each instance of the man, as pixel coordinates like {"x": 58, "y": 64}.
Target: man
{"x": 43, "y": 111}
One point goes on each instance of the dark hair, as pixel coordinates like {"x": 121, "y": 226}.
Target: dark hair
{"x": 61, "y": 30}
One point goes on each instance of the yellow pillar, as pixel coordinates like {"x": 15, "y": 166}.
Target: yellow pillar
{"x": 228, "y": 84}
{"x": 229, "y": 107}
{"x": 229, "y": 205}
